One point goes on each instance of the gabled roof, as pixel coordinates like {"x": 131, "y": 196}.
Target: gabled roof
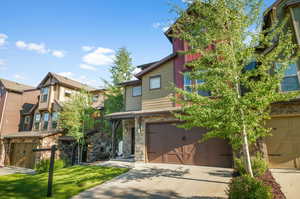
{"x": 15, "y": 86}
{"x": 144, "y": 66}
{"x": 66, "y": 82}
{"x": 156, "y": 65}
{"x": 131, "y": 82}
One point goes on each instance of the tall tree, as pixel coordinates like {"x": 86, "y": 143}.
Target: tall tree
{"x": 122, "y": 68}
{"x": 121, "y": 71}
{"x": 222, "y": 35}
{"x": 77, "y": 118}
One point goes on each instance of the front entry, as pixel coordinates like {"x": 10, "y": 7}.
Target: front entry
{"x": 168, "y": 144}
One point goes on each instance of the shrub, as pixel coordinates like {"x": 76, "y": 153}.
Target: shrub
{"x": 43, "y": 165}
{"x": 259, "y": 166}
{"x": 246, "y": 187}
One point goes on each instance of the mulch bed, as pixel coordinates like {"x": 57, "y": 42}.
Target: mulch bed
{"x": 269, "y": 180}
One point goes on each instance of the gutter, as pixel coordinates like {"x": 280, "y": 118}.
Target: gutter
{"x": 2, "y": 114}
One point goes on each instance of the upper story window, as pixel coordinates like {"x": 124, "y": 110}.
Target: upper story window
{"x": 44, "y": 94}
{"x": 27, "y": 119}
{"x": 2, "y": 91}
{"x": 68, "y": 93}
{"x": 136, "y": 91}
{"x": 54, "y": 119}
{"x": 45, "y": 121}
{"x": 290, "y": 81}
{"x": 95, "y": 98}
{"x": 187, "y": 82}
{"x": 188, "y": 85}
{"x": 37, "y": 119}
{"x": 155, "y": 82}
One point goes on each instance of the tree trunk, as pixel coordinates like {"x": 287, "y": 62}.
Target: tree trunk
{"x": 78, "y": 155}
{"x": 246, "y": 152}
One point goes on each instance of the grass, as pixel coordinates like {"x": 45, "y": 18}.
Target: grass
{"x": 67, "y": 182}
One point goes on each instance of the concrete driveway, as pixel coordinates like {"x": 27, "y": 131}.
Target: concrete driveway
{"x": 162, "y": 181}
{"x": 289, "y": 181}
{"x": 13, "y": 170}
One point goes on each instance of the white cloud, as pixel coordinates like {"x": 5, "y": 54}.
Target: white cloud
{"x": 2, "y": 64}
{"x": 187, "y": 1}
{"x": 66, "y": 74}
{"x": 87, "y": 67}
{"x": 58, "y": 53}
{"x": 39, "y": 48}
{"x": 100, "y": 57}
{"x": 156, "y": 25}
{"x": 19, "y": 77}
{"x": 3, "y": 38}
{"x": 88, "y": 48}
{"x": 160, "y": 26}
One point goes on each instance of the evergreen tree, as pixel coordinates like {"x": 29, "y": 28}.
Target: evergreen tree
{"x": 223, "y": 36}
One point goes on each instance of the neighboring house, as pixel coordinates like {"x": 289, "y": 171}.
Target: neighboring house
{"x": 149, "y": 128}
{"x": 13, "y": 96}
{"x": 37, "y": 121}
{"x": 284, "y": 146}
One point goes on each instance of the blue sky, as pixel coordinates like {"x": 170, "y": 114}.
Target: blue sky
{"x": 78, "y": 38}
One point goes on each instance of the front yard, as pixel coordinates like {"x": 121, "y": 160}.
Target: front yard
{"x": 67, "y": 182}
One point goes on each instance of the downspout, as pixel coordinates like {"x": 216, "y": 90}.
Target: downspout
{"x": 3, "y": 110}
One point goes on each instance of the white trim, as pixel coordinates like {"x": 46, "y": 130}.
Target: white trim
{"x": 3, "y": 110}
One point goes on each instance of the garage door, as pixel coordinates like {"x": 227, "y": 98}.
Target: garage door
{"x": 22, "y": 155}
{"x": 284, "y": 144}
{"x": 168, "y": 144}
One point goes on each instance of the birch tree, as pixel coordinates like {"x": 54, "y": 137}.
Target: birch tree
{"x": 224, "y": 37}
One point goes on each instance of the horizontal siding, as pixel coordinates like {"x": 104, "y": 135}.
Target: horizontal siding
{"x": 132, "y": 103}
{"x": 160, "y": 98}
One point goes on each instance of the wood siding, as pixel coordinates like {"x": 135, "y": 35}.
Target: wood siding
{"x": 159, "y": 98}
{"x": 132, "y": 103}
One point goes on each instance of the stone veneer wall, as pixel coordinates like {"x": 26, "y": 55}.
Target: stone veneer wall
{"x": 286, "y": 109}
{"x": 98, "y": 147}
{"x": 127, "y": 126}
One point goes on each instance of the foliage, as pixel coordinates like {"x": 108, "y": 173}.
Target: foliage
{"x": 259, "y": 166}
{"x": 43, "y": 165}
{"x": 67, "y": 182}
{"x": 77, "y": 116}
{"x": 122, "y": 68}
{"x": 225, "y": 36}
{"x": 246, "y": 187}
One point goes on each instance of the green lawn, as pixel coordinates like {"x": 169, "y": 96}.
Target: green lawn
{"x": 67, "y": 182}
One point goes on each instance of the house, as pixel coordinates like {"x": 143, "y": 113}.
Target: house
{"x": 13, "y": 96}
{"x": 284, "y": 146}
{"x": 149, "y": 128}
{"x": 37, "y": 121}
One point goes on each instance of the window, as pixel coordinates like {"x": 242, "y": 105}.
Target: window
{"x": 68, "y": 93}
{"x": 2, "y": 91}
{"x": 95, "y": 98}
{"x": 155, "y": 82}
{"x": 37, "y": 119}
{"x": 290, "y": 81}
{"x": 44, "y": 94}
{"x": 54, "y": 119}
{"x": 187, "y": 82}
{"x": 201, "y": 92}
{"x": 27, "y": 122}
{"x": 45, "y": 121}
{"x": 136, "y": 91}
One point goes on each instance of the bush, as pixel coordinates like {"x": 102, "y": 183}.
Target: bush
{"x": 43, "y": 165}
{"x": 259, "y": 166}
{"x": 246, "y": 187}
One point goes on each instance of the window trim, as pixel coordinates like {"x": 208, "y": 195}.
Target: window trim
{"x": 136, "y": 87}
{"x": 152, "y": 77}
{"x": 287, "y": 76}
{"x": 42, "y": 95}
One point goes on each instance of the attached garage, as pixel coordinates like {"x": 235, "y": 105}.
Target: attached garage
{"x": 22, "y": 155}
{"x": 284, "y": 144}
{"x": 168, "y": 144}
